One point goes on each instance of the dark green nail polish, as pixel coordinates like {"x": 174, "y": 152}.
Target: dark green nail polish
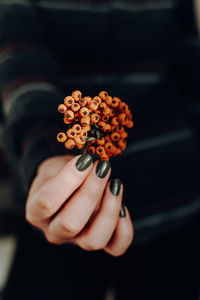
{"x": 122, "y": 212}
{"x": 102, "y": 169}
{"x": 83, "y": 162}
{"x": 115, "y": 186}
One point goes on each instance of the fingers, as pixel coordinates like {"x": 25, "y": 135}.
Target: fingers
{"x": 75, "y": 215}
{"x": 123, "y": 235}
{"x": 100, "y": 230}
{"x": 53, "y": 193}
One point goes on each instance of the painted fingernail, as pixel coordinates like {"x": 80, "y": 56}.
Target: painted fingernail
{"x": 83, "y": 162}
{"x": 102, "y": 169}
{"x": 122, "y": 213}
{"x": 115, "y": 186}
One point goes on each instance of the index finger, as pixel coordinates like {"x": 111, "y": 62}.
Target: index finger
{"x": 52, "y": 195}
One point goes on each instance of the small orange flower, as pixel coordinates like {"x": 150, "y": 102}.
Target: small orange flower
{"x": 62, "y": 108}
{"x": 77, "y": 95}
{"x": 61, "y": 137}
{"x": 69, "y": 144}
{"x": 69, "y": 115}
{"x": 103, "y": 95}
{"x": 94, "y": 118}
{"x": 68, "y": 101}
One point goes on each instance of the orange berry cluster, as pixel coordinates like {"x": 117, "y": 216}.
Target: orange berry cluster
{"x": 98, "y": 123}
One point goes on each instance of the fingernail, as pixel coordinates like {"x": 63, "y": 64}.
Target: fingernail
{"x": 102, "y": 169}
{"x": 122, "y": 213}
{"x": 83, "y": 162}
{"x": 115, "y": 186}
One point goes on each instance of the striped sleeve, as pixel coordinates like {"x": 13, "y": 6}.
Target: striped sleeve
{"x": 29, "y": 91}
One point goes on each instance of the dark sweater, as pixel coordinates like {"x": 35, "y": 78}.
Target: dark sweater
{"x": 147, "y": 53}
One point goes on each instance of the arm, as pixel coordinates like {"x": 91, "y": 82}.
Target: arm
{"x": 28, "y": 89}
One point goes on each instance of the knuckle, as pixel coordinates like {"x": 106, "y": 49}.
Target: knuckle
{"x": 94, "y": 245}
{"x": 70, "y": 227}
{"x": 43, "y": 201}
{"x": 51, "y": 240}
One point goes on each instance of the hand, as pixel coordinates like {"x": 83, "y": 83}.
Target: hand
{"x": 71, "y": 201}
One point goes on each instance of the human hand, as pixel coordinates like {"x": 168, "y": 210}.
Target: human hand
{"x": 71, "y": 201}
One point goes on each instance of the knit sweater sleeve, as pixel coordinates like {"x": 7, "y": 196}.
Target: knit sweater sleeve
{"x": 29, "y": 91}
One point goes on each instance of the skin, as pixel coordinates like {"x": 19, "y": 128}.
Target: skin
{"x": 76, "y": 207}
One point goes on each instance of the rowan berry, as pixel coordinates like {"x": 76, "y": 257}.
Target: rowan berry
{"x": 102, "y": 106}
{"x": 76, "y": 116}
{"x": 105, "y": 118}
{"x": 84, "y": 112}
{"x": 66, "y": 121}
{"x": 61, "y": 137}
{"x": 108, "y": 146}
{"x": 77, "y": 128}
{"x": 83, "y": 134}
{"x": 76, "y": 95}
{"x": 68, "y": 101}
{"x": 85, "y": 121}
{"x": 122, "y": 117}
{"x": 120, "y": 129}
{"x": 94, "y": 118}
{"x": 124, "y": 135}
{"x": 69, "y": 144}
{"x": 122, "y": 144}
{"x": 71, "y": 133}
{"x": 62, "y": 108}
{"x": 115, "y": 102}
{"x": 115, "y": 121}
{"x": 78, "y": 140}
{"x": 91, "y": 150}
{"x": 88, "y": 99}
{"x": 86, "y": 127}
{"x": 130, "y": 124}
{"x": 101, "y": 141}
{"x": 101, "y": 125}
{"x": 97, "y": 100}
{"x": 82, "y": 102}
{"x": 108, "y": 100}
{"x": 93, "y": 105}
{"x": 100, "y": 150}
{"x": 103, "y": 95}
{"x": 106, "y": 111}
{"x": 107, "y": 128}
{"x": 123, "y": 107}
{"x": 75, "y": 107}
{"x": 108, "y": 138}
{"x": 115, "y": 136}
{"x": 69, "y": 115}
